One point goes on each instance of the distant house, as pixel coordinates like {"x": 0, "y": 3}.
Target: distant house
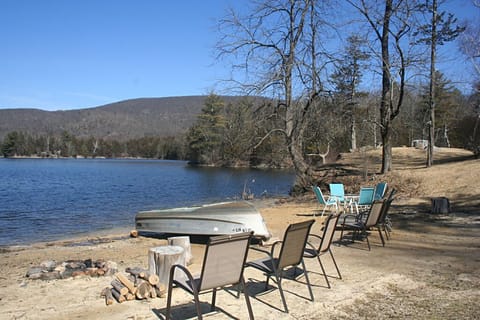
{"x": 420, "y": 144}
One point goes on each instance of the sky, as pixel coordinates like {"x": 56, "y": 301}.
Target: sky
{"x": 73, "y": 54}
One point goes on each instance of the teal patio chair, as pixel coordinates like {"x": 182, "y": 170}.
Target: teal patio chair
{"x": 337, "y": 191}
{"x": 379, "y": 191}
{"x": 330, "y": 202}
{"x": 365, "y": 199}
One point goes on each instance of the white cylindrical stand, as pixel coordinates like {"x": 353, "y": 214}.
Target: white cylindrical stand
{"x": 184, "y": 242}
{"x": 161, "y": 259}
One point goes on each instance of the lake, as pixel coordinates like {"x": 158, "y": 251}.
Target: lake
{"x": 52, "y": 199}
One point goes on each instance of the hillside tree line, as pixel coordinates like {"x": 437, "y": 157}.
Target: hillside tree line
{"x": 230, "y": 134}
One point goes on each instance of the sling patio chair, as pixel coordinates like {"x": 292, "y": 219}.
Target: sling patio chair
{"x": 363, "y": 222}
{"x": 365, "y": 199}
{"x": 337, "y": 191}
{"x": 223, "y": 265}
{"x": 329, "y": 202}
{"x": 318, "y": 245}
{"x": 380, "y": 189}
{"x": 290, "y": 256}
{"x": 384, "y": 223}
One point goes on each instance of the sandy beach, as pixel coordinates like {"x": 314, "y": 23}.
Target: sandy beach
{"x": 430, "y": 269}
{"x": 422, "y": 272}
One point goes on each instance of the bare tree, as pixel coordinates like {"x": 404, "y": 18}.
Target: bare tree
{"x": 470, "y": 43}
{"x": 440, "y": 29}
{"x": 276, "y": 41}
{"x": 390, "y": 26}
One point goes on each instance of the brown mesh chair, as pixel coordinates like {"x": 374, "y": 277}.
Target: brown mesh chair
{"x": 223, "y": 265}
{"x": 314, "y": 250}
{"x": 363, "y": 222}
{"x": 384, "y": 223}
{"x": 289, "y": 257}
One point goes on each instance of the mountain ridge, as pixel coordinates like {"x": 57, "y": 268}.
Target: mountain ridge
{"x": 122, "y": 120}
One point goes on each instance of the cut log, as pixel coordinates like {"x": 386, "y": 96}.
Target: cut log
{"x": 130, "y": 296}
{"x": 161, "y": 259}
{"x": 120, "y": 287}
{"x": 153, "y": 292}
{"x": 160, "y": 289}
{"x": 120, "y": 298}
{"x": 184, "y": 242}
{"x": 138, "y": 272}
{"x": 143, "y": 290}
{"x": 134, "y": 233}
{"x": 151, "y": 278}
{"x": 126, "y": 282}
{"x": 108, "y": 297}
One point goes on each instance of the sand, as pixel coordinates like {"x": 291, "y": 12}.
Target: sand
{"x": 429, "y": 269}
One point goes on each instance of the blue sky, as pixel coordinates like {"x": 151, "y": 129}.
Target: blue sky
{"x": 60, "y": 54}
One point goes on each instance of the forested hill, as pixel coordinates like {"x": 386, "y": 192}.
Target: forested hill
{"x": 122, "y": 120}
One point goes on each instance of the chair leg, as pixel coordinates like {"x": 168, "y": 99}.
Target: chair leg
{"x": 214, "y": 299}
{"x": 335, "y": 263}
{"x": 323, "y": 270}
{"x": 279, "y": 284}
{"x": 247, "y": 299}
{"x": 267, "y": 281}
{"x": 169, "y": 298}
{"x": 308, "y": 280}
{"x": 368, "y": 241}
{"x": 381, "y": 236}
{"x": 197, "y": 305}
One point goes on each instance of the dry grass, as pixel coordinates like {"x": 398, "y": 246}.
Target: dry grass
{"x": 455, "y": 174}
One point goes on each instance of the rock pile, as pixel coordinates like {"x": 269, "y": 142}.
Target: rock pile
{"x": 50, "y": 269}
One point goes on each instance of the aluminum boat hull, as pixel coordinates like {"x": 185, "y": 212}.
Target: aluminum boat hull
{"x": 212, "y": 219}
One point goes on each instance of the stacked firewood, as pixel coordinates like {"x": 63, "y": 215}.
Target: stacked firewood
{"x": 137, "y": 283}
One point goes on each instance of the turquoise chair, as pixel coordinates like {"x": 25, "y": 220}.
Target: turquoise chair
{"x": 379, "y": 191}
{"x": 365, "y": 198}
{"x": 337, "y": 191}
{"x": 324, "y": 202}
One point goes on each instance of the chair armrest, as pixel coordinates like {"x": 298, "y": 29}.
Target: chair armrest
{"x": 184, "y": 270}
{"x": 260, "y": 250}
{"x": 349, "y": 215}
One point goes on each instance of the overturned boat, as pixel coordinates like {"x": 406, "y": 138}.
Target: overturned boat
{"x": 211, "y": 219}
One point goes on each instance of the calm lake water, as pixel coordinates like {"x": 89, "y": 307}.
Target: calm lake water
{"x": 52, "y": 199}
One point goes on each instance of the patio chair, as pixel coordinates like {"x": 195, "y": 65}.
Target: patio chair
{"x": 337, "y": 191}
{"x": 324, "y": 243}
{"x": 363, "y": 222}
{"x": 324, "y": 202}
{"x": 289, "y": 257}
{"x": 223, "y": 265}
{"x": 380, "y": 189}
{"x": 365, "y": 199}
{"x": 384, "y": 223}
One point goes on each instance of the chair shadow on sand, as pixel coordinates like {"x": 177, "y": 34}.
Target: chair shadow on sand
{"x": 189, "y": 311}
{"x": 256, "y": 288}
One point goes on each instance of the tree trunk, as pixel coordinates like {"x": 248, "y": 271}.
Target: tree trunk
{"x": 386, "y": 153}
{"x": 303, "y": 172}
{"x": 431, "y": 93}
{"x": 386, "y": 91}
{"x": 353, "y": 132}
